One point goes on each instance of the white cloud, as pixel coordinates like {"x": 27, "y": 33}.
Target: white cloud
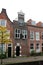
{"x": 32, "y": 8}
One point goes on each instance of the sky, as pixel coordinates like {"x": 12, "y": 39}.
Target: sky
{"x": 33, "y": 9}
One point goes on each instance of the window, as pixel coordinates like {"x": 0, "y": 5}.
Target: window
{"x": 37, "y": 36}
{"x": 3, "y": 22}
{"x": 42, "y": 24}
{"x": 21, "y": 22}
{"x": 42, "y": 35}
{"x": 37, "y": 46}
{"x": 17, "y": 33}
{"x": 24, "y": 33}
{"x": 1, "y": 48}
{"x": 31, "y": 35}
{"x": 33, "y": 23}
{"x": 31, "y": 46}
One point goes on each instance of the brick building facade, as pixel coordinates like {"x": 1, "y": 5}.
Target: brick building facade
{"x": 5, "y": 21}
{"x": 25, "y": 36}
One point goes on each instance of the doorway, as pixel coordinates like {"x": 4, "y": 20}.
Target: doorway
{"x": 9, "y": 51}
{"x": 17, "y": 50}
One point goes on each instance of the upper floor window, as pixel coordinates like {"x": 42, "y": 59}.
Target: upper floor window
{"x": 33, "y": 23}
{"x": 42, "y": 24}
{"x": 37, "y": 36}
{"x": 17, "y": 33}
{"x": 3, "y": 22}
{"x": 31, "y": 35}
{"x": 24, "y": 33}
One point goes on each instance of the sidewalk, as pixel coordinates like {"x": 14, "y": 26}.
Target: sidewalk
{"x": 22, "y": 59}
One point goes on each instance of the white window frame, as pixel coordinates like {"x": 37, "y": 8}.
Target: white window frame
{"x": 41, "y": 35}
{"x": 37, "y": 36}
{"x": 31, "y": 35}
{"x": 4, "y": 48}
{"x": 24, "y": 32}
{"x": 33, "y": 23}
{"x": 38, "y": 48}
{"x": 1, "y": 22}
{"x": 17, "y": 33}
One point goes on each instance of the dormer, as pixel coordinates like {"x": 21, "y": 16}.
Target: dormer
{"x": 31, "y": 22}
{"x": 42, "y": 24}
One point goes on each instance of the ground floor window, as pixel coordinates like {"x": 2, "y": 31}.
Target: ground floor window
{"x": 42, "y": 47}
{"x": 37, "y": 47}
{"x": 2, "y": 48}
{"x": 31, "y": 46}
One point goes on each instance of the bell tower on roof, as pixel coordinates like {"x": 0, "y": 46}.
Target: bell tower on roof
{"x": 20, "y": 16}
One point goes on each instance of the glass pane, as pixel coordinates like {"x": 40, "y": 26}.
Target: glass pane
{"x": 18, "y": 31}
{"x": 3, "y": 22}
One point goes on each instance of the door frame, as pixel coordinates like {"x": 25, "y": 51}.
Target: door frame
{"x": 18, "y": 44}
{"x": 10, "y": 45}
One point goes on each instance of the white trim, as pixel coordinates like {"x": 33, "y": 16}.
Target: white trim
{"x": 15, "y": 47}
{"x": 20, "y": 49}
{"x": 18, "y": 44}
{"x": 15, "y": 51}
{"x": 3, "y": 20}
{"x": 20, "y": 55}
{"x": 18, "y": 33}
{"x": 10, "y": 46}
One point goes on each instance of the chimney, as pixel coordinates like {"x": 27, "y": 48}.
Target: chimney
{"x": 3, "y": 10}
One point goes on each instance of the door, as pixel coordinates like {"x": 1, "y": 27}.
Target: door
{"x": 9, "y": 51}
{"x": 17, "y": 50}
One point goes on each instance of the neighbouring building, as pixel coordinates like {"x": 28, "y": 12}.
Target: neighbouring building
{"x": 5, "y": 22}
{"x": 35, "y": 36}
{"x": 25, "y": 36}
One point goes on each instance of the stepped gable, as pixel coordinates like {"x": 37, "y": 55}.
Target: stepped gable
{"x": 3, "y": 14}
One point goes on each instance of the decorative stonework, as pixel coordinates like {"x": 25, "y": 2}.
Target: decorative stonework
{"x": 20, "y": 49}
